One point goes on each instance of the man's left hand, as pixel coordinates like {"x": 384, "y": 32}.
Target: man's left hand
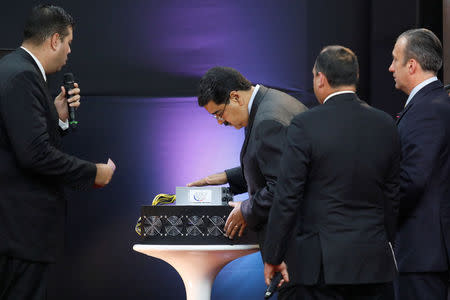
{"x": 235, "y": 221}
{"x": 61, "y": 101}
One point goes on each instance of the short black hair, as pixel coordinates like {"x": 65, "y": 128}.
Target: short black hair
{"x": 423, "y": 46}
{"x": 447, "y": 87}
{"x": 218, "y": 82}
{"x": 46, "y": 20}
{"x": 339, "y": 65}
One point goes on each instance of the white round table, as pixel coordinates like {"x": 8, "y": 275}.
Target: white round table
{"x": 198, "y": 265}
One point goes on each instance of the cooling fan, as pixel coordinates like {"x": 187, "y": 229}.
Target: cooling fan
{"x": 174, "y": 226}
{"x": 194, "y": 225}
{"x": 152, "y": 225}
{"x": 216, "y": 226}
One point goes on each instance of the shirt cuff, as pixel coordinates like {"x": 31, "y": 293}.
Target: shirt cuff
{"x": 64, "y": 125}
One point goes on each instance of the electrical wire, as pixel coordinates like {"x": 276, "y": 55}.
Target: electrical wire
{"x": 160, "y": 199}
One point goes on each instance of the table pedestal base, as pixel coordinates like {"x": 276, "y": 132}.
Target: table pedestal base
{"x": 199, "y": 265}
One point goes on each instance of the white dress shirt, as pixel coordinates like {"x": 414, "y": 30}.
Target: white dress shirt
{"x": 419, "y": 87}
{"x": 250, "y": 103}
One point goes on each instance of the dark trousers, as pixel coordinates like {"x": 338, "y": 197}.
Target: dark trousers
{"x": 376, "y": 291}
{"x": 22, "y": 280}
{"x": 421, "y": 286}
{"x": 287, "y": 293}
{"x": 323, "y": 291}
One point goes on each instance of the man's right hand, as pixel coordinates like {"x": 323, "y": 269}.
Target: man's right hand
{"x": 214, "y": 179}
{"x": 104, "y": 173}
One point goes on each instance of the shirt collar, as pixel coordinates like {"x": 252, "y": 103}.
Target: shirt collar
{"x": 338, "y": 93}
{"x": 250, "y": 103}
{"x": 419, "y": 87}
{"x": 37, "y": 62}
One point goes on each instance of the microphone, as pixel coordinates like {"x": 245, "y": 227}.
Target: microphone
{"x": 69, "y": 85}
{"x": 273, "y": 286}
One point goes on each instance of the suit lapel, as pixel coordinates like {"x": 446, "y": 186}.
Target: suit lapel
{"x": 402, "y": 113}
{"x": 419, "y": 97}
{"x": 49, "y": 101}
{"x": 258, "y": 98}
{"x": 30, "y": 59}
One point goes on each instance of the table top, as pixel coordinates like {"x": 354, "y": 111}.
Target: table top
{"x": 141, "y": 247}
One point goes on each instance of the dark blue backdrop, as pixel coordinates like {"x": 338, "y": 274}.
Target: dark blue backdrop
{"x": 138, "y": 63}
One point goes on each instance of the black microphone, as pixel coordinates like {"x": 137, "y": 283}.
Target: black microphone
{"x": 273, "y": 286}
{"x": 69, "y": 85}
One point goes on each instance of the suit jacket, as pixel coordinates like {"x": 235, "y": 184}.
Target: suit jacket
{"x": 423, "y": 239}
{"x": 339, "y": 169}
{"x": 33, "y": 169}
{"x": 271, "y": 113}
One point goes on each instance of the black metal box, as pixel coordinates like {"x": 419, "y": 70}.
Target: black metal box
{"x": 189, "y": 225}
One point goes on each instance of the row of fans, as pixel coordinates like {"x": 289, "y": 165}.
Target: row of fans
{"x": 183, "y": 225}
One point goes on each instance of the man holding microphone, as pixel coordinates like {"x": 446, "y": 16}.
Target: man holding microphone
{"x": 33, "y": 169}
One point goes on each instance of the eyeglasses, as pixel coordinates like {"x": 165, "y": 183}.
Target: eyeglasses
{"x": 218, "y": 115}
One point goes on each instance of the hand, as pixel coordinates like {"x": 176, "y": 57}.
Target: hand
{"x": 270, "y": 270}
{"x": 235, "y": 221}
{"x": 215, "y": 179}
{"x": 61, "y": 101}
{"x": 104, "y": 173}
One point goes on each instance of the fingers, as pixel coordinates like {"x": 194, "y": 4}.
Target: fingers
{"x": 241, "y": 232}
{"x": 104, "y": 174}
{"x": 74, "y": 91}
{"x": 201, "y": 182}
{"x": 228, "y": 222}
{"x": 235, "y": 221}
{"x": 285, "y": 276}
{"x": 231, "y": 226}
{"x": 231, "y": 233}
{"x": 73, "y": 96}
{"x": 269, "y": 271}
{"x": 74, "y": 101}
{"x": 111, "y": 164}
{"x": 284, "y": 272}
{"x": 214, "y": 179}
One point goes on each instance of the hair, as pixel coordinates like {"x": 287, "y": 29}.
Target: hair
{"x": 447, "y": 87}
{"x": 339, "y": 65}
{"x": 46, "y": 20}
{"x": 423, "y": 46}
{"x": 217, "y": 84}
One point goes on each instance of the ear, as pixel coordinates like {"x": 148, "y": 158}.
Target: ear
{"x": 322, "y": 79}
{"x": 234, "y": 96}
{"x": 55, "y": 40}
{"x": 412, "y": 66}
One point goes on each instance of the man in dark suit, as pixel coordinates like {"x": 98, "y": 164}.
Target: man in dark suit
{"x": 338, "y": 179}
{"x": 265, "y": 113}
{"x": 33, "y": 169}
{"x": 422, "y": 245}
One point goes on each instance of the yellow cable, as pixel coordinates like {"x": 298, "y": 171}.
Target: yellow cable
{"x": 159, "y": 199}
